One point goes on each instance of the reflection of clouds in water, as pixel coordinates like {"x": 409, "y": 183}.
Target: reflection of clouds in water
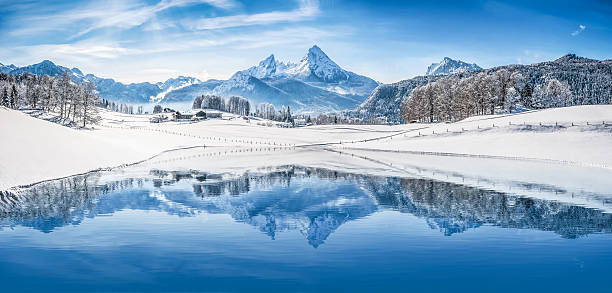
{"x": 313, "y": 201}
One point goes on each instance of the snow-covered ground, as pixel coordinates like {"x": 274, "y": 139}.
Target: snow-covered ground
{"x": 34, "y": 150}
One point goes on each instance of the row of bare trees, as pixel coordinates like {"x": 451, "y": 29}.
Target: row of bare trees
{"x": 73, "y": 102}
{"x": 454, "y": 98}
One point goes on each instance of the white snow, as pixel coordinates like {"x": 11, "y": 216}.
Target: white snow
{"x": 33, "y": 150}
{"x": 183, "y": 83}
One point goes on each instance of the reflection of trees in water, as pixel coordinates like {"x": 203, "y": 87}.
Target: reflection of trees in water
{"x": 59, "y": 202}
{"x": 266, "y": 199}
{"x": 454, "y": 208}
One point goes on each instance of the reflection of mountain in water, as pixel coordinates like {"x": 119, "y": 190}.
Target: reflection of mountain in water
{"x": 313, "y": 201}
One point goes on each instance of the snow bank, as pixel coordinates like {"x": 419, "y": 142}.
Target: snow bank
{"x": 35, "y": 150}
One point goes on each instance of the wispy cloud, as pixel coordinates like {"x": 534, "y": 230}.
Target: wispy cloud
{"x": 580, "y": 29}
{"x": 107, "y": 14}
{"x": 134, "y": 17}
{"x": 107, "y": 49}
{"x": 306, "y": 10}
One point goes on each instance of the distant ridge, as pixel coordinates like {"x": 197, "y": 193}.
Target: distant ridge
{"x": 450, "y": 66}
{"x": 580, "y": 73}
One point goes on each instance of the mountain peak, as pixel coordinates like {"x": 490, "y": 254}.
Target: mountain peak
{"x": 315, "y": 53}
{"x": 47, "y": 62}
{"x": 316, "y": 50}
{"x": 317, "y": 65}
{"x": 573, "y": 58}
{"x": 267, "y": 68}
{"x": 268, "y": 62}
{"x": 450, "y": 66}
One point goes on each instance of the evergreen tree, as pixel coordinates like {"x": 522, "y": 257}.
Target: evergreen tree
{"x": 5, "y": 98}
{"x": 13, "y": 99}
{"x": 157, "y": 109}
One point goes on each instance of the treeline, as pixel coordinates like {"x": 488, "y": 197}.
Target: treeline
{"x": 235, "y": 104}
{"x": 342, "y": 118}
{"x": 73, "y": 102}
{"x": 120, "y": 107}
{"x": 502, "y": 91}
{"x": 268, "y": 111}
{"x": 242, "y": 106}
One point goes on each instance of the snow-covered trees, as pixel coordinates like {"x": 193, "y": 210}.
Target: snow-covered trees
{"x": 590, "y": 82}
{"x": 213, "y": 102}
{"x": 453, "y": 98}
{"x": 157, "y": 109}
{"x": 238, "y": 105}
{"x": 553, "y": 94}
{"x": 123, "y": 108}
{"x": 266, "y": 111}
{"x": 197, "y": 102}
{"x": 73, "y": 102}
{"x": 235, "y": 104}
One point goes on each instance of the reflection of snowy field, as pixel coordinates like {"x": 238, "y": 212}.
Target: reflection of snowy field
{"x": 541, "y": 146}
{"x": 584, "y": 186}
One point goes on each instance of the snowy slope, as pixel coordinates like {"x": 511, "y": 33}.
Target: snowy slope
{"x": 450, "y": 66}
{"x": 34, "y": 150}
{"x": 120, "y": 139}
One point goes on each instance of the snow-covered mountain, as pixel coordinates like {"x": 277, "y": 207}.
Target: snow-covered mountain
{"x": 174, "y": 84}
{"x": 314, "y": 84}
{"x": 7, "y": 68}
{"x": 108, "y": 88}
{"x": 450, "y": 66}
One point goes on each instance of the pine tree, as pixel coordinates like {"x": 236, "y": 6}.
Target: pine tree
{"x": 13, "y": 99}
{"x": 5, "y": 98}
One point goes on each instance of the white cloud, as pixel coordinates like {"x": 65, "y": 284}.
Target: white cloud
{"x": 129, "y": 18}
{"x": 306, "y": 10}
{"x": 117, "y": 14}
{"x": 580, "y": 29}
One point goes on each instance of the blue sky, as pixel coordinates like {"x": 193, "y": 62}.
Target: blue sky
{"x": 152, "y": 40}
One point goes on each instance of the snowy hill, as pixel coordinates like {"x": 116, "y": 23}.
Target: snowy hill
{"x": 450, "y": 66}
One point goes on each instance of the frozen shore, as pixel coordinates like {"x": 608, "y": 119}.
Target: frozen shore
{"x": 34, "y": 150}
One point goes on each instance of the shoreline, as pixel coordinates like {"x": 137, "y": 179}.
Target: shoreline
{"x": 66, "y": 152}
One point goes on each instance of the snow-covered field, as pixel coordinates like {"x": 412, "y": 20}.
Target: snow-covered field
{"x": 34, "y": 150}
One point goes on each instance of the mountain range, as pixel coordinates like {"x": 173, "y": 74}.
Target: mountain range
{"x": 314, "y": 84}
{"x": 450, "y": 66}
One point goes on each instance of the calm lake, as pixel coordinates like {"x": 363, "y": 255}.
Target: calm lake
{"x": 295, "y": 229}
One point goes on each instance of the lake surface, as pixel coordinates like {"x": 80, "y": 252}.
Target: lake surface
{"x": 295, "y": 229}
